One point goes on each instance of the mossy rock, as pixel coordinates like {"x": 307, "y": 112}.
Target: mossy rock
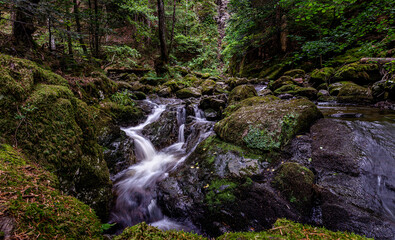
{"x": 282, "y": 81}
{"x": 358, "y": 73}
{"x": 93, "y": 89}
{"x": 192, "y": 80}
{"x": 295, "y": 73}
{"x": 353, "y": 93}
{"x": 296, "y": 184}
{"x": 234, "y": 82}
{"x": 39, "y": 210}
{"x": 143, "y": 231}
{"x": 384, "y": 90}
{"x": 267, "y": 126}
{"x": 188, "y": 93}
{"x": 334, "y": 88}
{"x": 284, "y": 229}
{"x": 242, "y": 92}
{"x": 208, "y": 87}
{"x": 248, "y": 102}
{"x": 308, "y": 92}
{"x": 320, "y": 76}
{"x": 57, "y": 130}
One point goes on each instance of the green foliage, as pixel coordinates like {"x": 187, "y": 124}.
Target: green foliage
{"x": 220, "y": 192}
{"x": 121, "y": 56}
{"x": 123, "y": 98}
{"x": 258, "y": 138}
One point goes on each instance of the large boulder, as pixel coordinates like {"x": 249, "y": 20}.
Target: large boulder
{"x": 358, "y": 73}
{"x": 353, "y": 93}
{"x": 267, "y": 125}
{"x": 320, "y": 76}
{"x": 208, "y": 87}
{"x": 188, "y": 93}
{"x": 242, "y": 92}
{"x": 216, "y": 189}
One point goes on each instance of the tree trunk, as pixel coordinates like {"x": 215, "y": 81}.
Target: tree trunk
{"x": 173, "y": 26}
{"x": 78, "y": 26}
{"x": 97, "y": 26}
{"x": 23, "y": 26}
{"x": 162, "y": 33}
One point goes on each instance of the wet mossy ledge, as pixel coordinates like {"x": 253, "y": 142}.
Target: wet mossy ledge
{"x": 34, "y": 208}
{"x": 282, "y": 229}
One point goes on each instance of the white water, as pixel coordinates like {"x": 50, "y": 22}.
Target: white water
{"x": 135, "y": 198}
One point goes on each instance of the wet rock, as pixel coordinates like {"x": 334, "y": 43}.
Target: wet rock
{"x": 167, "y": 126}
{"x": 215, "y": 188}
{"x": 215, "y": 102}
{"x": 265, "y": 92}
{"x": 331, "y": 150}
{"x": 269, "y": 125}
{"x": 212, "y": 115}
{"x": 285, "y": 96}
{"x": 118, "y": 148}
{"x": 188, "y": 93}
{"x": 165, "y": 92}
{"x": 242, "y": 92}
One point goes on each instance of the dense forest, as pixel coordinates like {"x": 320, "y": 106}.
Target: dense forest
{"x": 197, "y": 119}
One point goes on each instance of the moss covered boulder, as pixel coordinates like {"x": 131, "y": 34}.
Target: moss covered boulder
{"x": 353, "y": 93}
{"x": 242, "y": 92}
{"x": 188, "y": 93}
{"x": 296, "y": 183}
{"x": 267, "y": 125}
{"x": 38, "y": 210}
{"x": 282, "y": 81}
{"x": 358, "y": 73}
{"x": 320, "y": 76}
{"x": 208, "y": 87}
{"x": 40, "y": 114}
{"x": 308, "y": 92}
{"x": 295, "y": 73}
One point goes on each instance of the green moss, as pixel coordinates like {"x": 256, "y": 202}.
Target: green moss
{"x": 282, "y": 81}
{"x": 353, "y": 93}
{"x": 358, "y": 73}
{"x": 286, "y": 229}
{"x": 143, "y": 231}
{"x": 295, "y": 73}
{"x": 320, "y": 76}
{"x": 261, "y": 125}
{"x": 220, "y": 192}
{"x": 296, "y": 183}
{"x": 39, "y": 210}
{"x": 242, "y": 92}
{"x": 208, "y": 87}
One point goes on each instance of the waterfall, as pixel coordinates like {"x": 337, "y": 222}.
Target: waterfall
{"x": 135, "y": 198}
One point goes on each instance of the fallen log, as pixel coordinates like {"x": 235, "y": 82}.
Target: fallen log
{"x": 377, "y": 60}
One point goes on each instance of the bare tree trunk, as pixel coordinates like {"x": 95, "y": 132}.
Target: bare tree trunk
{"x": 222, "y": 17}
{"x": 284, "y": 33}
{"x": 173, "y": 26}
{"x": 23, "y": 27}
{"x": 162, "y": 33}
{"x": 78, "y": 26}
{"x": 97, "y": 26}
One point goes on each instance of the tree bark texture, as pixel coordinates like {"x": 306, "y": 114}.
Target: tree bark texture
{"x": 78, "y": 26}
{"x": 162, "y": 32}
{"x": 23, "y": 27}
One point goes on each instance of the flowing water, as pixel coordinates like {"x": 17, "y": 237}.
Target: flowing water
{"x": 135, "y": 198}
